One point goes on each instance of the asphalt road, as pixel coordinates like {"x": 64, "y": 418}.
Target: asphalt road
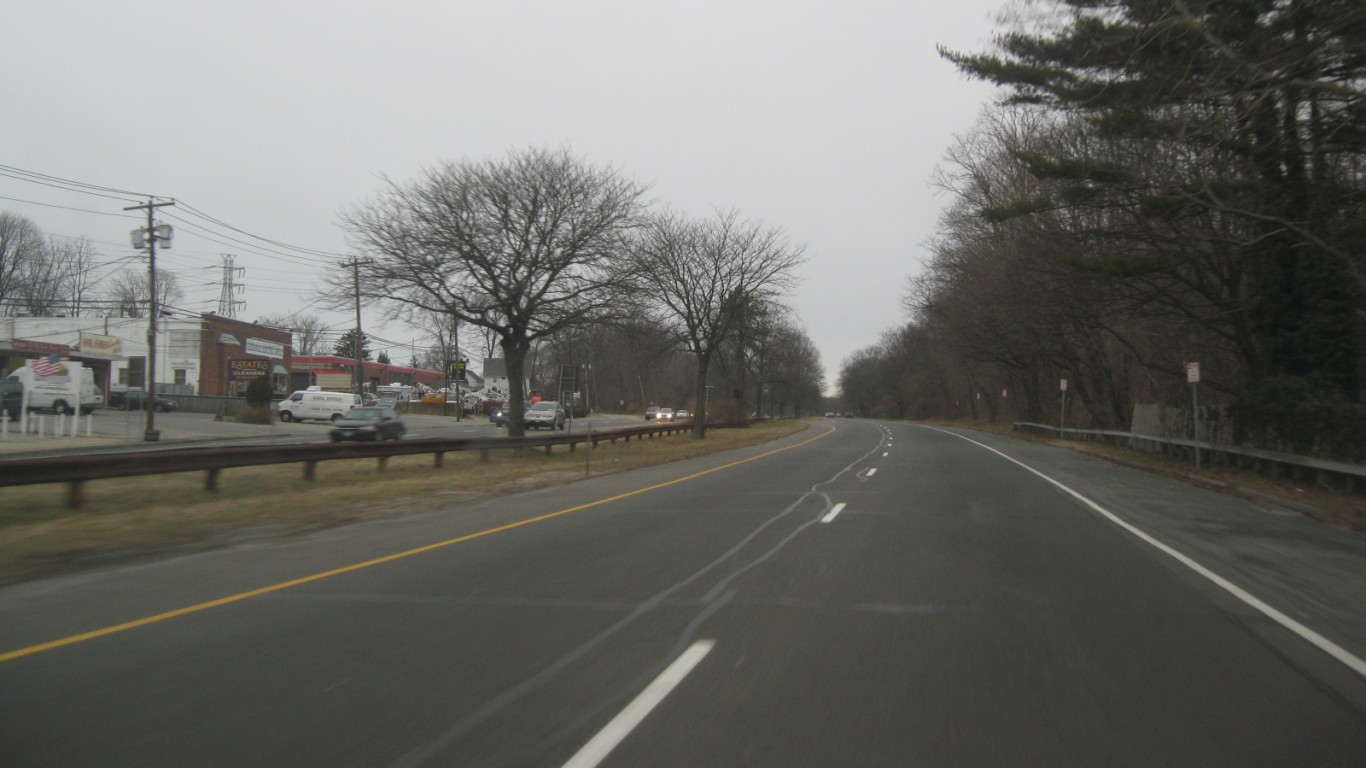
{"x": 871, "y": 594}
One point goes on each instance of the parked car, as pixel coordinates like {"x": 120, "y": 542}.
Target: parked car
{"x": 11, "y": 398}
{"x": 545, "y": 414}
{"x": 682, "y": 414}
{"x": 135, "y": 399}
{"x": 370, "y": 422}
{"x": 664, "y": 414}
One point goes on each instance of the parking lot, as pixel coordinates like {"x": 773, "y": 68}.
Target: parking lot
{"x": 110, "y": 429}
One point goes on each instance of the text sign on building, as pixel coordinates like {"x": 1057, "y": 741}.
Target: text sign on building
{"x": 265, "y": 348}
{"x": 100, "y": 344}
{"x": 241, "y": 370}
{"x": 39, "y": 347}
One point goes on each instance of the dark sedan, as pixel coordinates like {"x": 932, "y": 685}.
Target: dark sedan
{"x": 136, "y": 400}
{"x": 368, "y": 423}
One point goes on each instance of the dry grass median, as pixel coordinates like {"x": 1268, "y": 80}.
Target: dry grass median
{"x": 131, "y": 518}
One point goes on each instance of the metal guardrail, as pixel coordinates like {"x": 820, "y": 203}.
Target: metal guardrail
{"x": 1350, "y": 477}
{"x": 76, "y": 471}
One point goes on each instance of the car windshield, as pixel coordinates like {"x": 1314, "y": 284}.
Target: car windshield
{"x": 366, "y": 414}
{"x": 543, "y": 406}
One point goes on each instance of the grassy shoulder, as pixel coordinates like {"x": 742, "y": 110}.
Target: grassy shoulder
{"x": 132, "y": 518}
{"x": 1327, "y": 505}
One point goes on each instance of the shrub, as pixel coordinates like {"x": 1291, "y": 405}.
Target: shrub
{"x": 259, "y": 392}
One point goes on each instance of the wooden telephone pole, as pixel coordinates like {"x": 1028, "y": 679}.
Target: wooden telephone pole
{"x": 153, "y": 234}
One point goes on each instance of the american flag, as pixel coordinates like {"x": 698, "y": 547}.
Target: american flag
{"x": 51, "y": 365}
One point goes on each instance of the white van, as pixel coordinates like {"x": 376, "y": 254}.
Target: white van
{"x": 72, "y": 387}
{"x": 317, "y": 404}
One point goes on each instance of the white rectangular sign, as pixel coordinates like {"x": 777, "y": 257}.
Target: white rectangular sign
{"x": 265, "y": 348}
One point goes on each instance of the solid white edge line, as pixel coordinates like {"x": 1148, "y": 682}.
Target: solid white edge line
{"x": 626, "y": 721}
{"x": 1322, "y": 643}
{"x": 833, "y": 513}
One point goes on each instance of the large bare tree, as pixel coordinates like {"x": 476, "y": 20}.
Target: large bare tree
{"x": 21, "y": 242}
{"x": 705, "y": 275}
{"x": 128, "y": 292}
{"x": 524, "y": 247}
{"x": 308, "y": 331}
{"x": 56, "y": 278}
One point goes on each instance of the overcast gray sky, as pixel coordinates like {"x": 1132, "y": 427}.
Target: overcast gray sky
{"x": 273, "y": 116}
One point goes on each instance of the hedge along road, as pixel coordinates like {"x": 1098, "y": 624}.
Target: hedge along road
{"x": 957, "y": 610}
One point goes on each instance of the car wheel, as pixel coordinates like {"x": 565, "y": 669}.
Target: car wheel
{"x": 336, "y": 417}
{"x": 61, "y": 407}
{"x": 286, "y": 416}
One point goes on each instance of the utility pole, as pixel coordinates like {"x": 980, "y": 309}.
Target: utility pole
{"x": 152, "y": 234}
{"x": 455, "y": 342}
{"x": 356, "y": 342}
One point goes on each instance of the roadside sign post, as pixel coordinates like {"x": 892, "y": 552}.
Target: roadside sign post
{"x": 1193, "y": 378}
{"x": 1062, "y": 412}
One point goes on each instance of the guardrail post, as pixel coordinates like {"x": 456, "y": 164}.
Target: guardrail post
{"x": 383, "y": 463}
{"x": 211, "y": 479}
{"x": 310, "y": 470}
{"x": 484, "y": 456}
{"x": 75, "y": 494}
{"x": 438, "y": 458}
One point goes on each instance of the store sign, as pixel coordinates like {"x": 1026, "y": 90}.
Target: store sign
{"x": 265, "y": 348}
{"x": 39, "y": 347}
{"x": 244, "y": 370}
{"x": 102, "y": 345}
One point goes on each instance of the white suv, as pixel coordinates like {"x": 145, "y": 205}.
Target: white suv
{"x": 544, "y": 414}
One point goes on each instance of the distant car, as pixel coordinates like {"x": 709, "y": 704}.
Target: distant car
{"x": 499, "y": 415}
{"x": 369, "y": 422}
{"x": 135, "y": 399}
{"x": 651, "y": 413}
{"x": 829, "y": 414}
{"x": 664, "y": 414}
{"x": 545, "y": 414}
{"x": 848, "y": 414}
{"x": 682, "y": 414}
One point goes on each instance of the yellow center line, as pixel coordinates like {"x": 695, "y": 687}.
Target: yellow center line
{"x": 222, "y": 601}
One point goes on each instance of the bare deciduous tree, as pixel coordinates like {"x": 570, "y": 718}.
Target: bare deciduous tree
{"x": 704, "y": 274}
{"x": 308, "y": 331}
{"x": 128, "y": 292}
{"x": 55, "y": 278}
{"x": 21, "y": 242}
{"x": 524, "y": 247}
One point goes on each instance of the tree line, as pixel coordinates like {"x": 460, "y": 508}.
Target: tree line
{"x": 542, "y": 252}
{"x": 44, "y": 275}
{"x": 1164, "y": 182}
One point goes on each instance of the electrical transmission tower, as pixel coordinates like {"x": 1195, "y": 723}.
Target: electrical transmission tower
{"x": 227, "y": 303}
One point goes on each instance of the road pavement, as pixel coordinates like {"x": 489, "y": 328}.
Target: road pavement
{"x": 862, "y": 593}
